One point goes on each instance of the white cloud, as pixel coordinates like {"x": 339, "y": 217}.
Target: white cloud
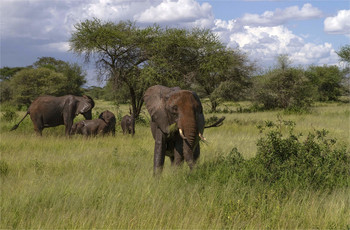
{"x": 182, "y": 12}
{"x": 264, "y": 36}
{"x": 57, "y": 46}
{"x": 339, "y": 24}
{"x": 265, "y": 43}
{"x": 48, "y": 25}
{"x": 281, "y": 16}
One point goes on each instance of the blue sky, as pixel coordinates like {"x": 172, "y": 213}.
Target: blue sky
{"x": 310, "y": 32}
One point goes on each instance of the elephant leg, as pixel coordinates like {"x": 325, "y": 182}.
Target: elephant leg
{"x": 68, "y": 125}
{"x": 38, "y": 125}
{"x": 85, "y": 131}
{"x": 159, "y": 153}
{"x": 38, "y": 130}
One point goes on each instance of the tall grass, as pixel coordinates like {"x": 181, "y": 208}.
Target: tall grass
{"x": 106, "y": 182}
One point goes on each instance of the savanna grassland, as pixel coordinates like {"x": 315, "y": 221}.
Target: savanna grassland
{"x": 54, "y": 182}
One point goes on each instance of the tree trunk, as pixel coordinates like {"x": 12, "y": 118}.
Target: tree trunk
{"x": 136, "y": 103}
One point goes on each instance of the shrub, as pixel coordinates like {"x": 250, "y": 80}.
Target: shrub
{"x": 9, "y": 114}
{"x": 328, "y": 81}
{"x": 315, "y": 161}
{"x": 284, "y": 89}
{"x": 285, "y": 162}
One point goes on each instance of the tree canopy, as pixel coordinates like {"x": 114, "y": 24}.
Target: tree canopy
{"x": 50, "y": 76}
{"x": 135, "y": 58}
{"x": 118, "y": 50}
{"x": 283, "y": 87}
{"x": 344, "y": 54}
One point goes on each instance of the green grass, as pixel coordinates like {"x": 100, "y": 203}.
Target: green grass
{"x": 54, "y": 182}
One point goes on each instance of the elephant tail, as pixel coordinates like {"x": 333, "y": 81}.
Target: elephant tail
{"x": 16, "y": 126}
{"x": 216, "y": 124}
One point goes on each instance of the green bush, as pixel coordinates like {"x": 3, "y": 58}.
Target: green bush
{"x": 313, "y": 162}
{"x": 285, "y": 162}
{"x": 9, "y": 114}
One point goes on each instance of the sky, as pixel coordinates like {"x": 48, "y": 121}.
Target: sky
{"x": 309, "y": 32}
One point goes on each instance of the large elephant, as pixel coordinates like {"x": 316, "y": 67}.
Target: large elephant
{"x": 128, "y": 124}
{"x": 50, "y": 111}
{"x": 103, "y": 125}
{"x": 177, "y": 125}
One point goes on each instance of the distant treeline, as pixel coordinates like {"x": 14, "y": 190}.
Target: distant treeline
{"x": 131, "y": 59}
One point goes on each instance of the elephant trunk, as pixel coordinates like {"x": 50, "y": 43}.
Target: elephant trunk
{"x": 88, "y": 115}
{"x": 189, "y": 134}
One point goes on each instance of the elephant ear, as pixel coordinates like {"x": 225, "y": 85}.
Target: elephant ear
{"x": 85, "y": 104}
{"x": 102, "y": 116}
{"x": 107, "y": 116}
{"x": 155, "y": 100}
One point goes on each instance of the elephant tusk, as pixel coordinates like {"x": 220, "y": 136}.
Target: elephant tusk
{"x": 201, "y": 136}
{"x": 182, "y": 135}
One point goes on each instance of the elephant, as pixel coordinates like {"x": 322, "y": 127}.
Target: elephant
{"x": 128, "y": 124}
{"x": 103, "y": 125}
{"x": 51, "y": 111}
{"x": 177, "y": 125}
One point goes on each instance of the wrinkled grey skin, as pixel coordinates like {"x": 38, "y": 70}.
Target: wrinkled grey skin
{"x": 50, "y": 111}
{"x": 128, "y": 124}
{"x": 172, "y": 109}
{"x": 105, "y": 124}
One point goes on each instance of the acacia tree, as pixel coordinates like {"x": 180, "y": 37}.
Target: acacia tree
{"x": 119, "y": 51}
{"x": 175, "y": 57}
{"x": 135, "y": 58}
{"x": 197, "y": 59}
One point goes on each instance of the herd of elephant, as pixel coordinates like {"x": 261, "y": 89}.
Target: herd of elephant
{"x": 177, "y": 121}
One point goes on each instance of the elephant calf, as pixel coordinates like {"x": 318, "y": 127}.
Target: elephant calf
{"x": 103, "y": 125}
{"x": 128, "y": 124}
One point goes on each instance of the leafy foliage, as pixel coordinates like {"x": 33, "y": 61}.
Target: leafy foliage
{"x": 31, "y": 83}
{"x": 328, "y": 80}
{"x": 283, "y": 87}
{"x": 119, "y": 53}
{"x": 9, "y": 114}
{"x": 284, "y": 162}
{"x": 46, "y": 76}
{"x": 344, "y": 54}
{"x": 133, "y": 58}
{"x": 315, "y": 162}
{"x": 224, "y": 74}
{"x": 7, "y": 73}
{"x": 5, "y": 91}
